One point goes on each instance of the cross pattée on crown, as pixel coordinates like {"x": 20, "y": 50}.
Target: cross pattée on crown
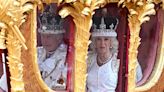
{"x": 103, "y": 26}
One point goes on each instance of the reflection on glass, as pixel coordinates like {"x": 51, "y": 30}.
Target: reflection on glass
{"x": 3, "y": 78}
{"x": 3, "y": 83}
{"x": 53, "y": 50}
{"x": 102, "y": 60}
{"x": 139, "y": 74}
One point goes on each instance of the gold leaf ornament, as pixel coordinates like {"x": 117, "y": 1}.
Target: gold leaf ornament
{"x": 121, "y": 2}
{"x": 2, "y": 25}
{"x": 12, "y": 15}
{"x": 2, "y": 37}
{"x": 140, "y": 3}
{"x": 139, "y": 13}
{"x": 88, "y": 2}
{"x": 69, "y": 1}
{"x": 27, "y": 7}
{"x": 144, "y": 19}
{"x": 78, "y": 7}
{"x": 86, "y": 11}
{"x": 133, "y": 12}
{"x": 65, "y": 12}
{"x": 148, "y": 9}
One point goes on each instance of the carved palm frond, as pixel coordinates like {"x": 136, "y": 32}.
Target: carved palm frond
{"x": 2, "y": 35}
{"x": 12, "y": 15}
{"x": 82, "y": 12}
{"x": 83, "y": 24}
{"x": 82, "y": 7}
{"x": 139, "y": 13}
{"x": 139, "y": 8}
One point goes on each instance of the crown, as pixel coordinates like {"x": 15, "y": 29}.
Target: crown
{"x": 49, "y": 23}
{"x": 103, "y": 30}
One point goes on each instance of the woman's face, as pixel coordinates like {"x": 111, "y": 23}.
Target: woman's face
{"x": 102, "y": 44}
{"x": 51, "y": 41}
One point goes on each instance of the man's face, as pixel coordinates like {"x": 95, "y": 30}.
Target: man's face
{"x": 51, "y": 41}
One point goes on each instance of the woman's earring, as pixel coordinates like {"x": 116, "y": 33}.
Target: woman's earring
{"x": 111, "y": 47}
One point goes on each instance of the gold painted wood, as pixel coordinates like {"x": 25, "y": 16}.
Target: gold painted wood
{"x": 12, "y": 15}
{"x": 9, "y": 24}
{"x": 31, "y": 74}
{"x": 15, "y": 64}
{"x": 83, "y": 22}
{"x": 139, "y": 11}
{"x": 2, "y": 37}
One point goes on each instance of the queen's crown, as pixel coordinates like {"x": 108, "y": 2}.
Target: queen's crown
{"x": 102, "y": 26}
{"x": 103, "y": 30}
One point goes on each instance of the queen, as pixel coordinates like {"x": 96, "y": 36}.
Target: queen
{"x": 102, "y": 61}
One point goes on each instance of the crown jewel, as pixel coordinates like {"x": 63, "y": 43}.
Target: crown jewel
{"x": 49, "y": 23}
{"x": 102, "y": 25}
{"x": 103, "y": 30}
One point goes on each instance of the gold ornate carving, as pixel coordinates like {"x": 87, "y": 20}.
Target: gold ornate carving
{"x": 2, "y": 37}
{"x": 31, "y": 74}
{"x": 83, "y": 24}
{"x": 139, "y": 11}
{"x": 163, "y": 4}
{"x": 16, "y": 67}
{"x": 12, "y": 15}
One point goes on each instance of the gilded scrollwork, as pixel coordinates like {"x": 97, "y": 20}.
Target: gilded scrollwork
{"x": 16, "y": 67}
{"x": 12, "y": 15}
{"x": 82, "y": 17}
{"x": 139, "y": 13}
{"x": 2, "y": 37}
